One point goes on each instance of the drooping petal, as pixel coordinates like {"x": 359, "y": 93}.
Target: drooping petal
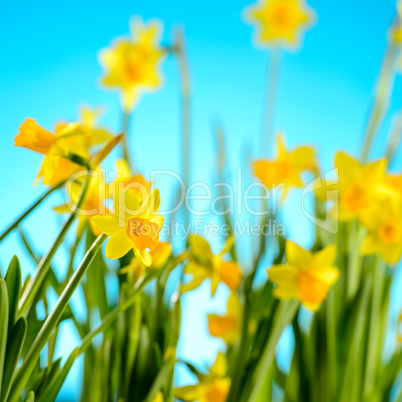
{"x": 160, "y": 253}
{"x": 144, "y": 256}
{"x": 188, "y": 393}
{"x": 118, "y": 246}
{"x": 111, "y": 225}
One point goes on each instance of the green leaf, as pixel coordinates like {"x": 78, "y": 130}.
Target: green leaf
{"x": 13, "y": 352}
{"x": 283, "y": 317}
{"x": 53, "y": 387}
{"x": 3, "y": 325}
{"x": 13, "y": 282}
{"x": 30, "y": 397}
{"x": 52, "y": 321}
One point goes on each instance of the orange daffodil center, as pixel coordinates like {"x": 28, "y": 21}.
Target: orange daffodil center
{"x": 280, "y": 22}
{"x": 306, "y": 276}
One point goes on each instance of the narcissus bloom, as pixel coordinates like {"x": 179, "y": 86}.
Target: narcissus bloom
{"x": 384, "y": 230}
{"x": 358, "y": 185}
{"x": 159, "y": 255}
{"x": 132, "y": 65}
{"x": 227, "y": 327}
{"x": 306, "y": 276}
{"x": 94, "y": 202}
{"x": 280, "y": 22}
{"x": 203, "y": 265}
{"x": 287, "y": 168}
{"x": 213, "y": 387}
{"x": 69, "y": 138}
{"x": 135, "y": 225}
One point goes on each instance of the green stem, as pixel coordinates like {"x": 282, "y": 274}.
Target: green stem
{"x": 270, "y": 100}
{"x": 381, "y": 100}
{"x": 52, "y": 320}
{"x": 283, "y": 317}
{"x": 43, "y": 268}
{"x": 237, "y": 373}
{"x": 113, "y": 315}
{"x": 29, "y": 210}
{"x": 374, "y": 347}
{"x": 124, "y": 142}
{"x": 185, "y": 110}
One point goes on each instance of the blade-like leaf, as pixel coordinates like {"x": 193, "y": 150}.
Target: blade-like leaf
{"x": 3, "y": 325}
{"x": 52, "y": 389}
{"x": 13, "y": 282}
{"x": 13, "y": 352}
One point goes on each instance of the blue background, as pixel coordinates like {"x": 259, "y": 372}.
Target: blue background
{"x": 49, "y": 67}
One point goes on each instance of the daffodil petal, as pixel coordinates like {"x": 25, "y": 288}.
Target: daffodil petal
{"x": 118, "y": 246}
{"x": 111, "y": 225}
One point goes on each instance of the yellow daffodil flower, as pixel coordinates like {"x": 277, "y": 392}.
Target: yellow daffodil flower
{"x": 384, "y": 230}
{"x": 93, "y": 203}
{"x": 358, "y": 185}
{"x": 69, "y": 138}
{"x": 135, "y": 225}
{"x": 213, "y": 387}
{"x": 287, "y": 168}
{"x": 280, "y": 22}
{"x": 203, "y": 265}
{"x": 306, "y": 276}
{"x": 227, "y": 327}
{"x": 54, "y": 147}
{"x": 132, "y": 65}
{"x": 159, "y": 255}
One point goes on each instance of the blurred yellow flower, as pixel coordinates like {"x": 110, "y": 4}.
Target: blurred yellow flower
{"x": 384, "y": 230}
{"x": 132, "y": 64}
{"x": 93, "y": 203}
{"x": 203, "y": 265}
{"x": 159, "y": 255}
{"x": 396, "y": 30}
{"x": 158, "y": 397}
{"x": 280, "y": 22}
{"x": 287, "y": 168}
{"x": 358, "y": 185}
{"x": 213, "y": 387}
{"x": 227, "y": 327}
{"x": 134, "y": 225}
{"x": 306, "y": 276}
